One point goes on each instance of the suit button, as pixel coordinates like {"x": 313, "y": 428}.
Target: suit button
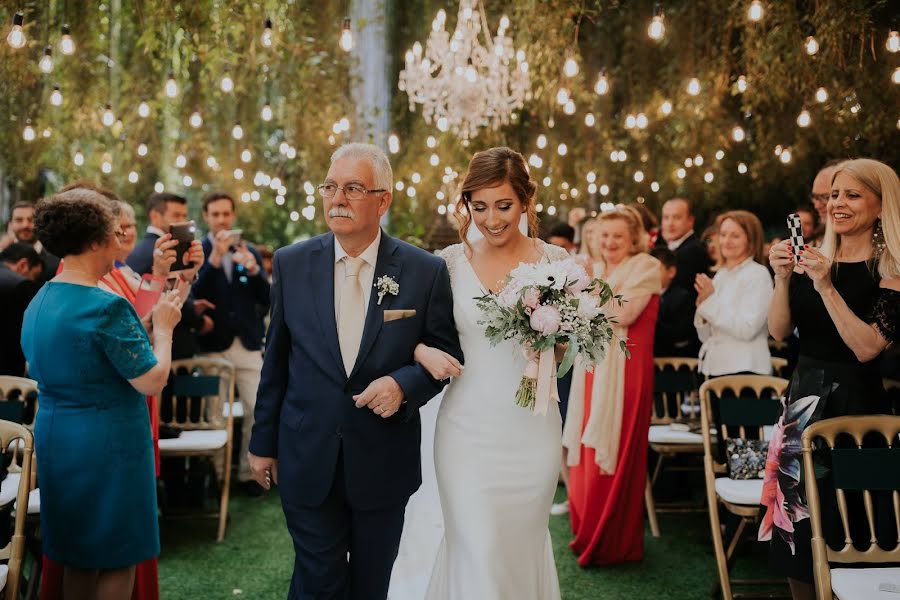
{"x": 338, "y": 431}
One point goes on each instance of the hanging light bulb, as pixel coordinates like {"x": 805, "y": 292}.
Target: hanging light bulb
{"x": 629, "y": 122}
{"x": 133, "y": 177}
{"x": 346, "y": 42}
{"x": 78, "y": 159}
{"x": 569, "y": 108}
{"x": 562, "y": 96}
{"x": 638, "y": 176}
{"x": 602, "y": 85}
{"x": 106, "y": 165}
{"x": 66, "y": 44}
{"x": 196, "y": 119}
{"x": 742, "y": 84}
{"x": 738, "y": 134}
{"x": 742, "y": 168}
{"x": 641, "y": 121}
{"x": 28, "y": 134}
{"x": 657, "y": 28}
{"x": 755, "y": 12}
{"x": 171, "y": 86}
{"x": 227, "y": 83}
{"x": 681, "y": 173}
{"x": 693, "y": 86}
{"x": 246, "y": 156}
{"x": 108, "y": 118}
{"x": 393, "y": 144}
{"x": 570, "y": 68}
{"x": 804, "y": 118}
{"x": 266, "y": 37}
{"x": 666, "y": 108}
{"x": 266, "y": 112}
{"x": 180, "y": 161}
{"x": 893, "y": 42}
{"x": 785, "y": 156}
{"x": 238, "y": 173}
{"x": 708, "y": 177}
{"x": 158, "y": 187}
{"x": 562, "y": 149}
{"x": 46, "y": 63}
{"x": 821, "y": 95}
{"x": 16, "y": 38}
{"x": 542, "y": 141}
{"x": 589, "y": 119}
{"x": 811, "y": 45}
{"x": 896, "y": 76}
{"x": 237, "y": 132}
{"x": 142, "y": 150}
{"x": 56, "y": 97}
{"x": 143, "y": 110}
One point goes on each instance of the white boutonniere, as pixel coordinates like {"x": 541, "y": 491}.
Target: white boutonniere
{"x": 386, "y": 285}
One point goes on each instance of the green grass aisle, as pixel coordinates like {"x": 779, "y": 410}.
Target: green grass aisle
{"x": 256, "y": 558}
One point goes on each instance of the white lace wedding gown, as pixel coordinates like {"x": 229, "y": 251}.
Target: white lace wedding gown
{"x": 496, "y": 465}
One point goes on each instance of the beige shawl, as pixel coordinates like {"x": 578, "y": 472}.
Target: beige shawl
{"x": 637, "y": 276}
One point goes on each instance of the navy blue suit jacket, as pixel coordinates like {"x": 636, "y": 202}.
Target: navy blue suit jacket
{"x": 305, "y": 415}
{"x": 141, "y": 258}
{"x": 240, "y": 304}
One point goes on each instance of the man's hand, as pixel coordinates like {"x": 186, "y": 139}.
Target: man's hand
{"x": 219, "y": 248}
{"x": 383, "y": 396}
{"x": 207, "y": 327}
{"x": 264, "y": 469}
{"x": 202, "y": 305}
{"x": 243, "y": 256}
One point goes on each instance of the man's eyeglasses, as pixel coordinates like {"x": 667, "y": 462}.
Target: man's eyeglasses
{"x": 352, "y": 191}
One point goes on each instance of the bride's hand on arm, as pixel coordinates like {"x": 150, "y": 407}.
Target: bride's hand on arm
{"x": 438, "y": 363}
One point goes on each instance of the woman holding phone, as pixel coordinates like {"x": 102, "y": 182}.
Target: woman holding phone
{"x": 843, "y": 300}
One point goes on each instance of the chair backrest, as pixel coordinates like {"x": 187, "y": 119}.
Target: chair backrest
{"x": 734, "y": 405}
{"x": 892, "y": 387}
{"x": 674, "y": 385}
{"x": 863, "y": 469}
{"x": 197, "y": 390}
{"x": 15, "y": 438}
{"x": 18, "y": 399}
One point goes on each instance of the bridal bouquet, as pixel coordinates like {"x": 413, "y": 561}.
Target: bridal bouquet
{"x": 546, "y": 304}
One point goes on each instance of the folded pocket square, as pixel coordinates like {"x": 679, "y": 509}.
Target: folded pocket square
{"x": 393, "y": 315}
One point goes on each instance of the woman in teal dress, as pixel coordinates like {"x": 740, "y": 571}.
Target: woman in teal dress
{"x": 94, "y": 365}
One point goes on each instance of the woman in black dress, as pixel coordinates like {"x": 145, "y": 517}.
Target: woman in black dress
{"x": 844, "y": 301}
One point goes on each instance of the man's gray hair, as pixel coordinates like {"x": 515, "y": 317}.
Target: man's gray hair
{"x": 381, "y": 166}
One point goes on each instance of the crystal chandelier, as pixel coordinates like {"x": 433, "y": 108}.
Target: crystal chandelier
{"x": 462, "y": 84}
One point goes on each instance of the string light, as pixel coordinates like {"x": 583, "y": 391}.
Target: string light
{"x": 180, "y": 161}
{"x": 346, "y": 42}
{"x": 571, "y": 67}
{"x": 416, "y": 177}
{"x": 106, "y": 165}
{"x": 66, "y": 44}
{"x": 255, "y": 196}
{"x": 804, "y": 119}
{"x": 693, "y": 86}
{"x": 28, "y": 133}
{"x": 738, "y": 134}
{"x": 16, "y": 37}
{"x": 708, "y": 177}
{"x": 562, "y": 96}
{"x": 279, "y": 200}
{"x": 811, "y": 45}
{"x": 196, "y": 120}
{"x": 393, "y": 144}
{"x": 689, "y": 162}
{"x": 589, "y": 119}
{"x": 896, "y": 76}
{"x": 238, "y": 173}
{"x": 657, "y": 28}
{"x": 666, "y": 108}
{"x": 266, "y": 37}
{"x": 654, "y": 186}
{"x": 547, "y": 181}
{"x": 227, "y": 83}
{"x": 142, "y": 150}
{"x": 187, "y": 180}
{"x": 569, "y": 108}
{"x": 542, "y": 141}
{"x": 621, "y": 156}
{"x": 720, "y": 154}
{"x": 56, "y": 97}
{"x": 742, "y": 84}
{"x": 158, "y": 187}
{"x": 821, "y": 95}
{"x": 237, "y": 132}
{"x": 681, "y": 173}
{"x": 785, "y": 156}
{"x": 641, "y": 121}
{"x": 602, "y": 85}
{"x": 638, "y": 176}
{"x": 535, "y": 161}
{"x": 133, "y": 177}
{"x": 78, "y": 159}
{"x": 698, "y": 160}
{"x": 46, "y": 64}
{"x": 266, "y": 112}
{"x": 442, "y": 210}
{"x": 755, "y": 12}
{"x": 562, "y": 149}
{"x": 742, "y": 168}
{"x": 431, "y": 142}
{"x": 171, "y": 86}
{"x": 108, "y": 118}
{"x": 893, "y": 42}
{"x": 434, "y": 160}
{"x": 604, "y": 190}
{"x": 143, "y": 110}
{"x": 246, "y": 156}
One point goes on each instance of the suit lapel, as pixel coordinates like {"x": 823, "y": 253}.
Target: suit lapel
{"x": 322, "y": 281}
{"x": 387, "y": 265}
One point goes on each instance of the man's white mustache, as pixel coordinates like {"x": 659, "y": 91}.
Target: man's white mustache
{"x": 337, "y": 211}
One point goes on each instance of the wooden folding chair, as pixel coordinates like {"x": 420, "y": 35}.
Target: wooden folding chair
{"x": 17, "y": 440}
{"x": 674, "y": 401}
{"x": 741, "y": 403}
{"x": 858, "y": 469}
{"x": 199, "y": 388}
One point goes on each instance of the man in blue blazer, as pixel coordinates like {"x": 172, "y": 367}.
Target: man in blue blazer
{"x": 337, "y": 412}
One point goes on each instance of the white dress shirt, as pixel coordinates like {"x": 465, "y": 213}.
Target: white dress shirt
{"x": 366, "y": 273}
{"x": 675, "y": 244}
{"x": 731, "y": 323}
{"x": 155, "y": 230}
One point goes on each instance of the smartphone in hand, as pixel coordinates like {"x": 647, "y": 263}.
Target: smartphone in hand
{"x": 184, "y": 233}
{"x": 234, "y": 237}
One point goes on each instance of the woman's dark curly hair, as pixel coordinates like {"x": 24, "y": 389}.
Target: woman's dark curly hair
{"x": 69, "y": 222}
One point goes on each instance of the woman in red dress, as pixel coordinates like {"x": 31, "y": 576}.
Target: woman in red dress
{"x": 606, "y": 434}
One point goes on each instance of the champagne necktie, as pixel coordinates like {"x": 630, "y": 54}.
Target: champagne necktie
{"x": 351, "y": 313}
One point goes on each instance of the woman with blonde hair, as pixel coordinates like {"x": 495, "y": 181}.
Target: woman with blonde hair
{"x": 731, "y": 307}
{"x": 844, "y": 300}
{"x": 605, "y": 434}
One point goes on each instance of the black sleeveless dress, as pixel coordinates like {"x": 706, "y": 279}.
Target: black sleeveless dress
{"x": 828, "y": 382}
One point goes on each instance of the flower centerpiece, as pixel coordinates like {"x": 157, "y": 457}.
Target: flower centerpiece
{"x": 544, "y": 305}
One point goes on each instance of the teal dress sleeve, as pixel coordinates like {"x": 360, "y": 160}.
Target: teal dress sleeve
{"x": 124, "y": 340}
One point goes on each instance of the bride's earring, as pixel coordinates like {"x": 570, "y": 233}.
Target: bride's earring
{"x": 877, "y": 239}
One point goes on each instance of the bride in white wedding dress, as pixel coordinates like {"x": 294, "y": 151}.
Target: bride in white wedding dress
{"x": 496, "y": 463}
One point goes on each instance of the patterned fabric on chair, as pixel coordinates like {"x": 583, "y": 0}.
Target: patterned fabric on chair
{"x": 875, "y": 473}
{"x": 731, "y": 407}
{"x": 199, "y": 390}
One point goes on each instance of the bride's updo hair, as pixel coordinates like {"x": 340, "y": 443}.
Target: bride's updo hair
{"x": 492, "y": 168}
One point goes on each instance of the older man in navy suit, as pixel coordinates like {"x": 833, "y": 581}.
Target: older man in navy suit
{"x": 337, "y": 413}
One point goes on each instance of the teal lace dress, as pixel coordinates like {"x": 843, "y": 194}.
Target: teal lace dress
{"x": 93, "y": 446}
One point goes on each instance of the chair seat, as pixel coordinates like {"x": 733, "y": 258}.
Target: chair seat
{"x": 4, "y": 573}
{"x": 34, "y": 503}
{"x": 740, "y": 491}
{"x": 9, "y": 488}
{"x": 238, "y": 410}
{"x": 196, "y": 440}
{"x": 663, "y": 434}
{"x": 862, "y": 584}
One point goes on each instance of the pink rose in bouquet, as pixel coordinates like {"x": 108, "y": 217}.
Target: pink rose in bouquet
{"x": 545, "y": 320}
{"x": 531, "y": 297}
{"x": 509, "y": 295}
